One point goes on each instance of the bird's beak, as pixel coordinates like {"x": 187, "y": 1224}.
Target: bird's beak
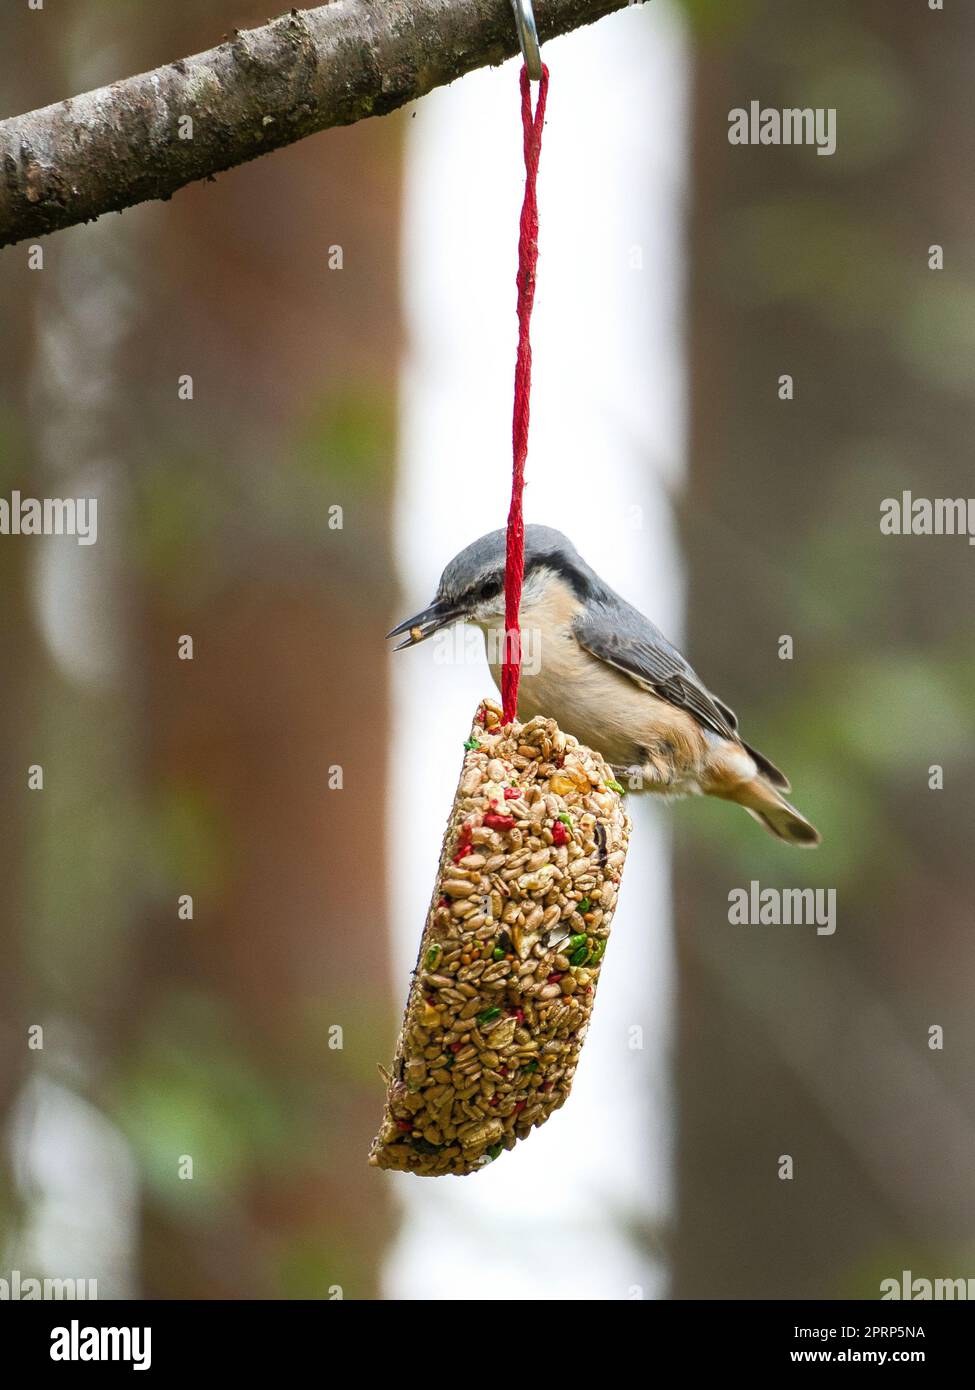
{"x": 425, "y": 624}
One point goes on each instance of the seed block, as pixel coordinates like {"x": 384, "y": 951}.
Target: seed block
{"x": 511, "y": 952}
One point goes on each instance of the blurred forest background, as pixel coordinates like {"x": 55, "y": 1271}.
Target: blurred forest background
{"x": 162, "y": 777}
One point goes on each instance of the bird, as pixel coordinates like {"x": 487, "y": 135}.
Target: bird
{"x": 607, "y": 675}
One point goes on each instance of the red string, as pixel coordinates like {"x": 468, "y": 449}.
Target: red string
{"x": 514, "y": 568}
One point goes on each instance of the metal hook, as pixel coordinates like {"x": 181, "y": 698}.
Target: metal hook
{"x": 528, "y": 38}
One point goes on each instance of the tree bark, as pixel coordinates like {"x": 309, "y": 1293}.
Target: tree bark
{"x": 260, "y": 90}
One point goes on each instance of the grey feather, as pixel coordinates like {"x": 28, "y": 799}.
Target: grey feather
{"x": 623, "y": 637}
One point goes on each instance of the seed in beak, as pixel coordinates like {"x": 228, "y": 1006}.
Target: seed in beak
{"x": 416, "y": 633}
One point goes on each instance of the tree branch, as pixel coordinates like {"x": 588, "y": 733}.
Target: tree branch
{"x": 262, "y": 89}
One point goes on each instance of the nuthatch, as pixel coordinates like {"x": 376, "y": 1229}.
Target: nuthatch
{"x": 609, "y": 677}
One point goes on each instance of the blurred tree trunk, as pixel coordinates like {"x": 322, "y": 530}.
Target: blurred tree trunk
{"x": 286, "y": 278}
{"x": 276, "y": 292}
{"x": 21, "y": 669}
{"x": 793, "y": 1043}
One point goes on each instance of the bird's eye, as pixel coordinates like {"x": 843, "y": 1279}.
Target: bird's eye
{"x": 489, "y": 589}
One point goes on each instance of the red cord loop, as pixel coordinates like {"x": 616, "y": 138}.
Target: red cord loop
{"x": 514, "y": 569}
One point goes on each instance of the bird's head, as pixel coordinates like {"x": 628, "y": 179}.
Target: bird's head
{"x": 471, "y": 588}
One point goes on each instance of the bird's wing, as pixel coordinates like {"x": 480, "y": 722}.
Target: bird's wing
{"x": 624, "y": 638}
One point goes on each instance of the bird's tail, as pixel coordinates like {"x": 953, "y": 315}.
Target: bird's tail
{"x": 769, "y": 807}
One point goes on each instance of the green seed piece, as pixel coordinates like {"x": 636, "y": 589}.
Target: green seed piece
{"x": 615, "y": 786}
{"x": 489, "y": 1015}
{"x": 584, "y": 905}
{"x": 565, "y": 819}
{"x": 497, "y": 953}
{"x": 495, "y": 1150}
{"x": 580, "y": 956}
{"x": 423, "y": 1146}
{"x": 471, "y": 744}
{"x": 598, "y": 951}
{"x": 432, "y": 956}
